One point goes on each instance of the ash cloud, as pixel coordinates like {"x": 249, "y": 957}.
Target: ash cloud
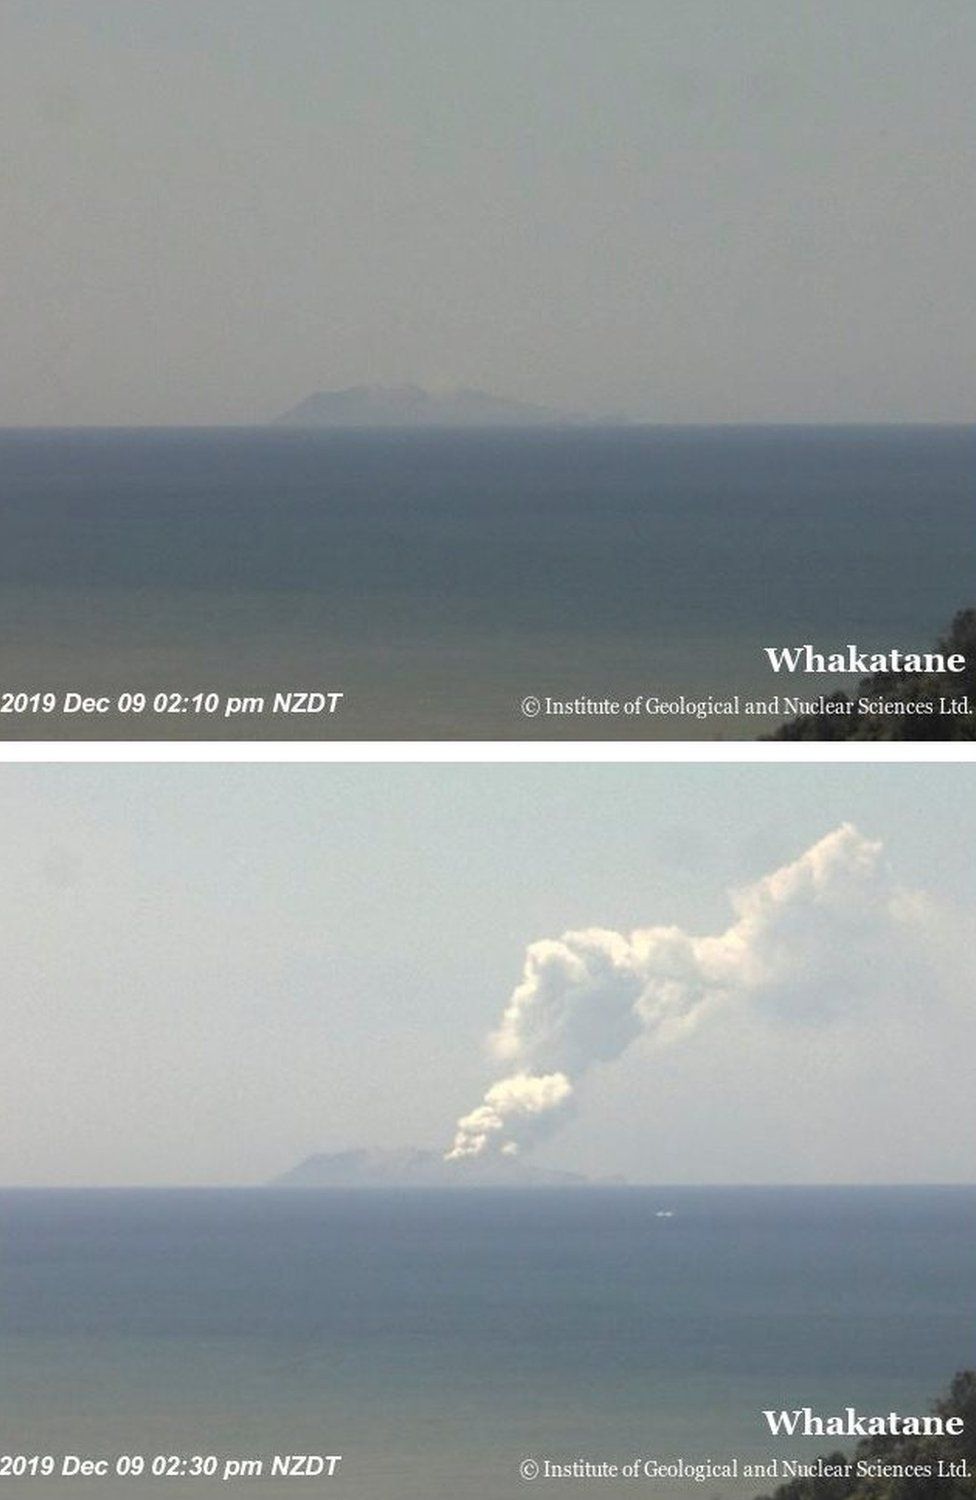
{"x": 808, "y": 943}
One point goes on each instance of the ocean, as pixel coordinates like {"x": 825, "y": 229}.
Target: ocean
{"x": 437, "y": 1340}
{"x": 438, "y": 579}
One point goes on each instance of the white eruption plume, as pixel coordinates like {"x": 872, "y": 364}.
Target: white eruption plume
{"x": 805, "y": 940}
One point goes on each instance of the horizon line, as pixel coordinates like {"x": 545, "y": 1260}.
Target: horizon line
{"x": 597, "y": 1184}
{"x": 556, "y": 425}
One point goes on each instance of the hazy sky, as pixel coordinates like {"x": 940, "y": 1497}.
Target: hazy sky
{"x": 212, "y": 971}
{"x": 728, "y": 210}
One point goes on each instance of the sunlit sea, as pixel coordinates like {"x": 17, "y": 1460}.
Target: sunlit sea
{"x": 436, "y": 1340}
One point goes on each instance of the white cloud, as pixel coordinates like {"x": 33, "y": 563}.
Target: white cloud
{"x": 809, "y": 942}
{"x": 510, "y": 1106}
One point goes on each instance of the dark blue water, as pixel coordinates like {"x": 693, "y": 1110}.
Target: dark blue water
{"x": 436, "y": 1339}
{"x": 439, "y": 577}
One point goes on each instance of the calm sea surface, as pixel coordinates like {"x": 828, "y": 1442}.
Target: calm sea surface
{"x": 439, "y": 578}
{"x": 435, "y": 1340}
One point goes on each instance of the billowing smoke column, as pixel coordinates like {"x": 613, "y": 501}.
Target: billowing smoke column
{"x": 801, "y": 936}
